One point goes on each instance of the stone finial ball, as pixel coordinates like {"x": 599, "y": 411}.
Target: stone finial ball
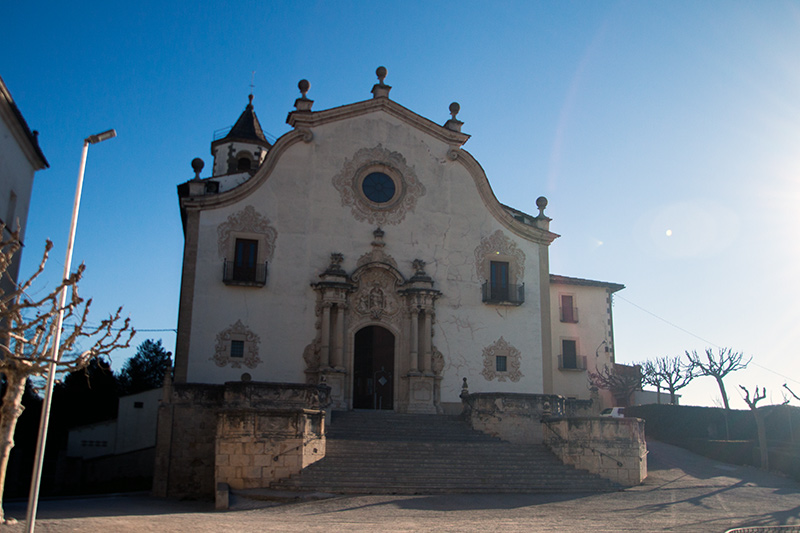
{"x": 197, "y": 165}
{"x": 541, "y": 202}
{"x": 304, "y": 86}
{"x": 381, "y": 72}
{"x": 455, "y": 108}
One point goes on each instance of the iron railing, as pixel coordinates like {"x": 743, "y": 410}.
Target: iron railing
{"x": 576, "y": 363}
{"x": 234, "y": 274}
{"x": 569, "y": 314}
{"x": 503, "y": 294}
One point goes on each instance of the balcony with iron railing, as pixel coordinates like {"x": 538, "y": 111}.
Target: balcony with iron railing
{"x": 250, "y": 276}
{"x": 576, "y": 362}
{"x": 568, "y": 314}
{"x": 511, "y": 294}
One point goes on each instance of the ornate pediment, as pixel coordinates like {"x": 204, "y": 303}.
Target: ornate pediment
{"x": 498, "y": 244}
{"x": 376, "y": 296}
{"x": 246, "y": 221}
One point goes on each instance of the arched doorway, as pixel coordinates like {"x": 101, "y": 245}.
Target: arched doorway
{"x": 373, "y": 369}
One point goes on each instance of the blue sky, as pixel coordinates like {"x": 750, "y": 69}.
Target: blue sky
{"x": 666, "y": 136}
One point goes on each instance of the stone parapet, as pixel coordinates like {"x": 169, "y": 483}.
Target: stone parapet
{"x": 185, "y": 440}
{"x": 236, "y": 433}
{"x": 258, "y": 446}
{"x": 613, "y": 448}
{"x": 258, "y": 395}
{"x": 517, "y": 417}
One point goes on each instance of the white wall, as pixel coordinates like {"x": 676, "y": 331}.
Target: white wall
{"x": 301, "y": 203}
{"x": 592, "y": 328}
{"x": 16, "y": 170}
{"x": 134, "y": 429}
{"x": 94, "y": 440}
{"x": 136, "y": 421}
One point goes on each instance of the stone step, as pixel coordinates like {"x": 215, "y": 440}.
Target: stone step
{"x": 476, "y": 488}
{"x": 371, "y": 452}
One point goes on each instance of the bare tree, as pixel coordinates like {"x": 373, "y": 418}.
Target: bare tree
{"x": 719, "y": 366}
{"x": 27, "y": 334}
{"x": 796, "y": 397}
{"x": 762, "y": 432}
{"x": 651, "y": 377}
{"x": 673, "y": 375}
{"x": 620, "y": 380}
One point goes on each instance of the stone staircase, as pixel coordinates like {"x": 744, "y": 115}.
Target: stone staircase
{"x": 380, "y": 452}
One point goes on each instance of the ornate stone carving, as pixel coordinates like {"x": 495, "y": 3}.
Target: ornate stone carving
{"x": 240, "y": 332}
{"x": 246, "y": 221}
{"x": 311, "y": 357}
{"x": 377, "y": 255}
{"x": 408, "y": 187}
{"x": 437, "y": 361}
{"x": 335, "y": 268}
{"x": 513, "y": 361}
{"x": 307, "y": 134}
{"x": 376, "y": 296}
{"x": 498, "y": 244}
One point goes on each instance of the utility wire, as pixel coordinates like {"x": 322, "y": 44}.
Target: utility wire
{"x": 699, "y": 337}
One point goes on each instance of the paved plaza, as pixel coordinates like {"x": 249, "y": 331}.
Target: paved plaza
{"x": 684, "y": 492}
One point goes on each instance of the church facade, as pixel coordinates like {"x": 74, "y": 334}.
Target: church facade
{"x": 366, "y": 250}
{"x": 361, "y": 261}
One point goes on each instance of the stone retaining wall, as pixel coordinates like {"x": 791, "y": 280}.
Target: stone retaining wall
{"x": 613, "y": 448}
{"x": 245, "y": 432}
{"x": 517, "y": 417}
{"x": 257, "y": 447}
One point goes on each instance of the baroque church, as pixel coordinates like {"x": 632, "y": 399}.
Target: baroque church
{"x": 365, "y": 251}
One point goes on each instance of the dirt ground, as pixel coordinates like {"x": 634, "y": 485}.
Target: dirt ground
{"x": 683, "y": 492}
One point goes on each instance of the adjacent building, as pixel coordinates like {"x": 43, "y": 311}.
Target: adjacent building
{"x": 20, "y": 158}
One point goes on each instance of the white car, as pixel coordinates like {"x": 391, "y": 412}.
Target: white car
{"x": 613, "y": 412}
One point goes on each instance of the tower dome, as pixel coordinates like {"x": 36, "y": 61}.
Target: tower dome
{"x": 243, "y": 147}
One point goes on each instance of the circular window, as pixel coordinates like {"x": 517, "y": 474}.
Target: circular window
{"x": 378, "y": 187}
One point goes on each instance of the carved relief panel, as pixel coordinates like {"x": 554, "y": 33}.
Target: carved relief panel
{"x": 376, "y": 296}
{"x": 237, "y": 345}
{"x": 501, "y": 361}
{"x": 378, "y": 185}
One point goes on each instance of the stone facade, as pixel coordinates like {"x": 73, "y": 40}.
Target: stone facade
{"x": 256, "y": 447}
{"x": 613, "y": 448}
{"x": 362, "y": 253}
{"x": 245, "y": 434}
{"x": 517, "y": 417}
{"x": 186, "y": 446}
{"x": 365, "y": 228}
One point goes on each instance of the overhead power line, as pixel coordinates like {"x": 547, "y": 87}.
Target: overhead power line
{"x": 699, "y": 337}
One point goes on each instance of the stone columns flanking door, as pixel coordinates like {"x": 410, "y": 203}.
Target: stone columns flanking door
{"x": 376, "y": 294}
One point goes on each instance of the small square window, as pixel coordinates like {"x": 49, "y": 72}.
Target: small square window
{"x": 237, "y": 349}
{"x": 138, "y": 405}
{"x": 501, "y": 363}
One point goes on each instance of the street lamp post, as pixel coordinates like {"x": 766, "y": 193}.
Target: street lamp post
{"x": 33, "y": 496}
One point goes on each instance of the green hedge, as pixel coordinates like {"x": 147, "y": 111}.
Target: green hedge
{"x": 676, "y": 423}
{"x": 703, "y": 431}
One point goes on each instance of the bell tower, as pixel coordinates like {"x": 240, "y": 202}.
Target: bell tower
{"x": 244, "y": 146}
